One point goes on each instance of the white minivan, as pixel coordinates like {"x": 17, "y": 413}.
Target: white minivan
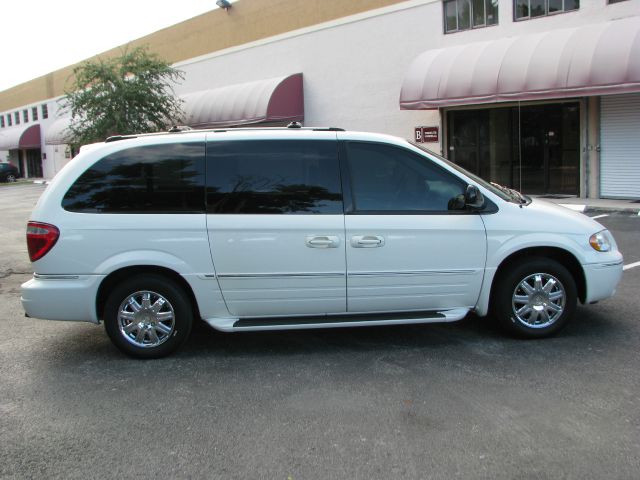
{"x": 273, "y": 229}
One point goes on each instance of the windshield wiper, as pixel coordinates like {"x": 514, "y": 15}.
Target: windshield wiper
{"x": 516, "y": 195}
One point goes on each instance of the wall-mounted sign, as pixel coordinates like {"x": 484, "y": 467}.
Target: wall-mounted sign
{"x": 426, "y": 134}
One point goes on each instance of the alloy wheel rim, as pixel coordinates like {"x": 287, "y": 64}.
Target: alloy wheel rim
{"x": 146, "y": 319}
{"x": 538, "y": 300}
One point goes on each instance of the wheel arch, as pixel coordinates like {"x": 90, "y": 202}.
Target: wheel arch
{"x": 115, "y": 277}
{"x": 560, "y": 255}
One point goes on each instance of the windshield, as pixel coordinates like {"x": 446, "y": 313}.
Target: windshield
{"x": 504, "y": 193}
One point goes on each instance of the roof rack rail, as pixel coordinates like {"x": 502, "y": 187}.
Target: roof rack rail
{"x": 115, "y": 138}
{"x": 186, "y": 128}
{"x": 180, "y": 128}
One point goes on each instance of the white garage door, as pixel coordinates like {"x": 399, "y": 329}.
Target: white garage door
{"x": 620, "y": 146}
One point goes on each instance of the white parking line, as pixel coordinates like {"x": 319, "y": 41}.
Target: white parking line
{"x": 601, "y": 216}
{"x": 631, "y": 265}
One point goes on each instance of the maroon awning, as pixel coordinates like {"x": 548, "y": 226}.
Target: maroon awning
{"x": 21, "y": 137}
{"x": 597, "y": 59}
{"x": 272, "y": 100}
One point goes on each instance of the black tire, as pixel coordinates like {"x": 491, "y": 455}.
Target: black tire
{"x": 10, "y": 178}
{"x": 508, "y": 298}
{"x": 174, "y": 303}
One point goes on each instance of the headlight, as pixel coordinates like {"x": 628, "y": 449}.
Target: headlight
{"x": 601, "y": 241}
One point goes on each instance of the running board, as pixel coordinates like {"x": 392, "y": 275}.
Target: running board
{"x": 334, "y": 321}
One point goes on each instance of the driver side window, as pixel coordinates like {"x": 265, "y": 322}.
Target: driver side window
{"x": 391, "y": 179}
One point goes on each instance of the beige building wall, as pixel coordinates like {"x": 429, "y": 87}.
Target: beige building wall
{"x": 246, "y": 21}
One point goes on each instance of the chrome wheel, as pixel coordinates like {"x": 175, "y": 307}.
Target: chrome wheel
{"x": 538, "y": 300}
{"x": 146, "y": 319}
{"x": 11, "y": 178}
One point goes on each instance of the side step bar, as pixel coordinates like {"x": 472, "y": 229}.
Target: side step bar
{"x": 335, "y": 321}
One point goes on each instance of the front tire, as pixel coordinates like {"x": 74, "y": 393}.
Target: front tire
{"x": 148, "y": 316}
{"x": 535, "y": 299}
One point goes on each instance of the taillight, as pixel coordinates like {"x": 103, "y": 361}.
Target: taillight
{"x": 41, "y": 237}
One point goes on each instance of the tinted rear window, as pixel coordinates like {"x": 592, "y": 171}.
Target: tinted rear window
{"x": 167, "y": 178}
{"x": 273, "y": 177}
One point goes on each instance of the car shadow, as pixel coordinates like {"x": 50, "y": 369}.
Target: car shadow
{"x": 484, "y": 335}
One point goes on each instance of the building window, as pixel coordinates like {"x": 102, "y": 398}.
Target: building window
{"x": 466, "y": 14}
{"x": 34, "y": 113}
{"x": 45, "y": 111}
{"x": 9, "y": 122}
{"x": 526, "y": 9}
{"x": 16, "y": 117}
{"x": 1, "y": 121}
{"x": 25, "y": 115}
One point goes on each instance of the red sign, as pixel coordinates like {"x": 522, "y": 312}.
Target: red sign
{"x": 426, "y": 134}
{"x": 430, "y": 134}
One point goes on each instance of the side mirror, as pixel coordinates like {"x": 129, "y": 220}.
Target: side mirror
{"x": 473, "y": 198}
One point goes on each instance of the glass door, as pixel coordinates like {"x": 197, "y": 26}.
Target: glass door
{"x": 534, "y": 148}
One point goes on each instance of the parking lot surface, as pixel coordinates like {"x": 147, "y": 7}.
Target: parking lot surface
{"x": 433, "y": 401}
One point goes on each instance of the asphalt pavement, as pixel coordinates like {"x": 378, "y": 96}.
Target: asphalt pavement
{"x": 426, "y": 401}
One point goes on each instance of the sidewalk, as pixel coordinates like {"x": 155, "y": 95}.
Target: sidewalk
{"x": 588, "y": 205}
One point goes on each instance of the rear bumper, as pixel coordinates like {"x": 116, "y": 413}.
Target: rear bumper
{"x": 61, "y": 297}
{"x": 602, "y": 279}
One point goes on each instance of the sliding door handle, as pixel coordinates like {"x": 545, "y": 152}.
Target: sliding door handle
{"x": 322, "y": 241}
{"x": 367, "y": 241}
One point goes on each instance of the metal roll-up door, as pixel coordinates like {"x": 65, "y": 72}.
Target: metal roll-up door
{"x": 620, "y": 146}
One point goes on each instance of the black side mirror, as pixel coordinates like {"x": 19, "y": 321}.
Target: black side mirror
{"x": 473, "y": 198}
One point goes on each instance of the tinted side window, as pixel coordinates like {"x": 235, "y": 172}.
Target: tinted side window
{"x": 166, "y": 178}
{"x": 389, "y": 178}
{"x": 273, "y": 176}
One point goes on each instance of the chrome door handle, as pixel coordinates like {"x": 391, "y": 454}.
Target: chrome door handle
{"x": 322, "y": 241}
{"x": 367, "y": 241}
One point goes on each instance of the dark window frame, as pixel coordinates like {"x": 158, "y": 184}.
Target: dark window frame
{"x": 546, "y": 13}
{"x": 348, "y": 190}
{"x": 9, "y": 120}
{"x": 2, "y": 121}
{"x": 472, "y": 25}
{"x": 34, "y": 113}
{"x": 25, "y": 115}
{"x": 16, "y": 117}
{"x": 45, "y": 111}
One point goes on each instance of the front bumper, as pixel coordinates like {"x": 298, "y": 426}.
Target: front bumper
{"x": 602, "y": 279}
{"x": 61, "y": 297}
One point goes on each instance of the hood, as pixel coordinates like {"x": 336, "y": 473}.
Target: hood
{"x": 552, "y": 217}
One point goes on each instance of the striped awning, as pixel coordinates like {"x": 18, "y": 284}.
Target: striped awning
{"x": 58, "y": 132}
{"x": 20, "y": 137}
{"x": 272, "y": 100}
{"x": 598, "y": 59}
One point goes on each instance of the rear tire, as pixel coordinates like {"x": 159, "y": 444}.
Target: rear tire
{"x": 535, "y": 299}
{"x": 148, "y": 316}
{"x": 10, "y": 178}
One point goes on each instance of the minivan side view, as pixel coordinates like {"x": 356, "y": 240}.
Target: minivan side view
{"x": 291, "y": 228}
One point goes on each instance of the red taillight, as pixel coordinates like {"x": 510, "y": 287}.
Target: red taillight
{"x": 41, "y": 237}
